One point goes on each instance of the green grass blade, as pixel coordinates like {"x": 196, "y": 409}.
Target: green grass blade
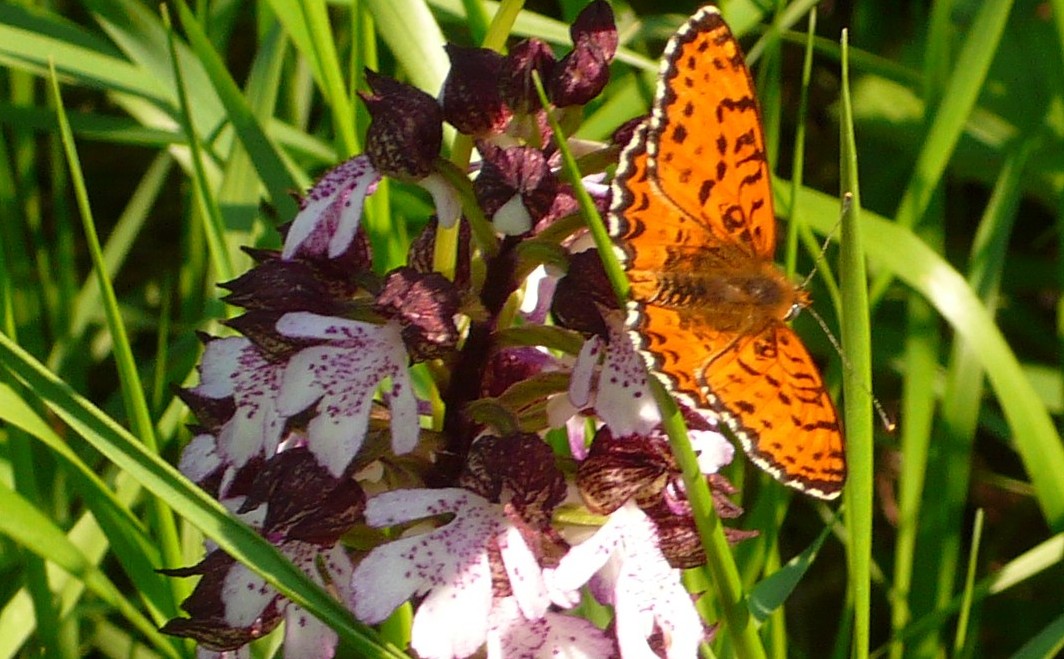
{"x": 857, "y": 377}
{"x": 119, "y": 244}
{"x": 958, "y": 100}
{"x": 203, "y": 194}
{"x": 476, "y": 16}
{"x": 1029, "y": 564}
{"x": 136, "y": 404}
{"x": 916, "y": 591}
{"x": 30, "y": 528}
{"x": 961, "y": 636}
{"x": 45, "y": 609}
{"x": 899, "y": 252}
{"x": 1047, "y": 643}
{"x": 790, "y": 249}
{"x": 921, "y": 355}
{"x": 962, "y": 400}
{"x": 322, "y": 40}
{"x": 263, "y": 153}
{"x": 414, "y": 38}
{"x": 135, "y": 549}
{"x": 29, "y": 40}
{"x": 137, "y": 28}
{"x": 16, "y": 617}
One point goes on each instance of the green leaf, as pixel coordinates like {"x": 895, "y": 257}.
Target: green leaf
{"x": 770, "y": 593}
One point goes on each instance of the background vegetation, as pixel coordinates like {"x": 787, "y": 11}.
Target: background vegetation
{"x": 959, "y": 122}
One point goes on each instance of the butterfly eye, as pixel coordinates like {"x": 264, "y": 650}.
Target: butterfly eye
{"x": 793, "y": 312}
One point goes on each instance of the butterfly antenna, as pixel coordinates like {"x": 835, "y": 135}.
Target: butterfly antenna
{"x": 847, "y": 200}
{"x": 888, "y": 424}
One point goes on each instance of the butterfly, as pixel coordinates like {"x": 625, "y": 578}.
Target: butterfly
{"x": 693, "y": 222}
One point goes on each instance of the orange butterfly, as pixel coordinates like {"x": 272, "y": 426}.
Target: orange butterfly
{"x": 692, "y": 214}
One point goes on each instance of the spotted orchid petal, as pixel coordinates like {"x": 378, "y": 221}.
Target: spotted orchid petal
{"x": 343, "y": 372}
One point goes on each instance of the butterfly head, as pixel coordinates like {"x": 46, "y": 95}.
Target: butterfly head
{"x": 799, "y": 301}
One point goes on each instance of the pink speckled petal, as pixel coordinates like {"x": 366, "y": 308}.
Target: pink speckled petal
{"x": 453, "y": 620}
{"x": 713, "y": 450}
{"x": 406, "y": 429}
{"x": 245, "y": 595}
{"x": 554, "y": 635}
{"x": 582, "y": 562}
{"x": 583, "y": 372}
{"x": 647, "y": 590}
{"x": 221, "y": 360}
{"x": 394, "y": 572}
{"x": 235, "y": 367}
{"x": 330, "y": 213}
{"x": 199, "y": 458}
{"x": 306, "y": 636}
{"x": 526, "y": 576}
{"x": 344, "y": 374}
{"x": 624, "y": 402}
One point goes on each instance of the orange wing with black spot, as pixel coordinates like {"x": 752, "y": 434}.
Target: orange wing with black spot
{"x": 692, "y": 218}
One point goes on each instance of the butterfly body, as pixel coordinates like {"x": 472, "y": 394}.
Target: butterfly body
{"x": 693, "y": 223}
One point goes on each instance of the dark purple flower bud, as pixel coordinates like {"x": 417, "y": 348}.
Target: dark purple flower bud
{"x": 509, "y": 366}
{"x": 406, "y": 131}
{"x": 677, "y": 532}
{"x": 584, "y": 72}
{"x": 422, "y": 248}
{"x": 678, "y": 536}
{"x": 284, "y": 285}
{"x": 618, "y": 470}
{"x": 564, "y": 205}
{"x": 579, "y": 77}
{"x": 581, "y": 293}
{"x": 520, "y": 467}
{"x": 303, "y": 500}
{"x": 595, "y": 25}
{"x": 472, "y": 101}
{"x": 425, "y": 305}
{"x": 516, "y": 187}
{"x": 516, "y": 82}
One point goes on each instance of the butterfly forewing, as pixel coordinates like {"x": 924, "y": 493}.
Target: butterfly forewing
{"x": 707, "y": 153}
